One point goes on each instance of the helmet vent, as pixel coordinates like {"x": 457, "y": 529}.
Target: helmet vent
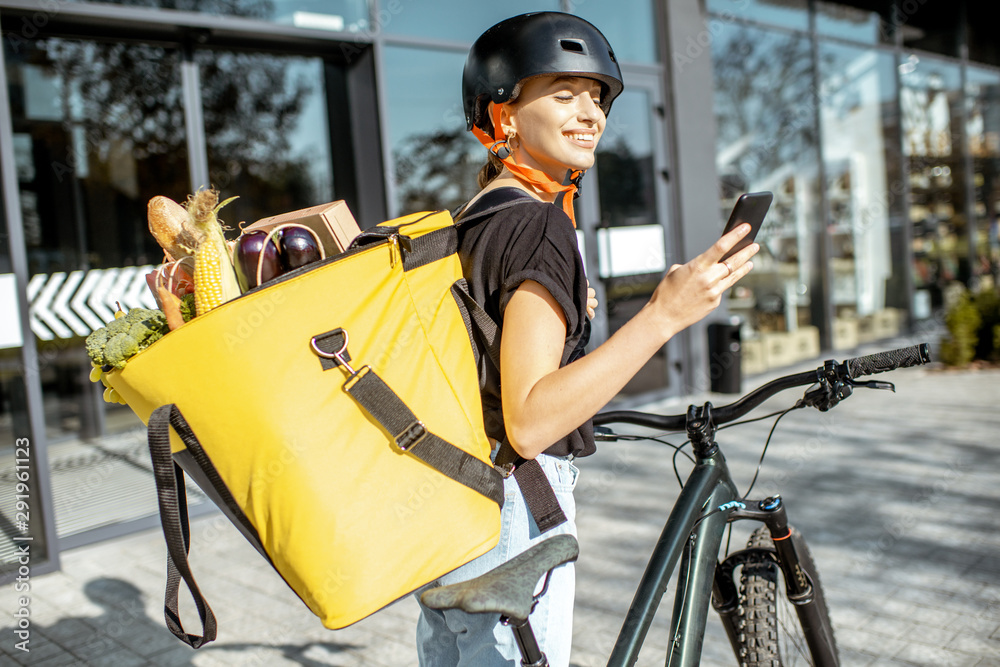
{"x": 573, "y": 46}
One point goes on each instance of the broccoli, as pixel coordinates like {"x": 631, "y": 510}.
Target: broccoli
{"x": 187, "y": 307}
{"x": 125, "y": 337}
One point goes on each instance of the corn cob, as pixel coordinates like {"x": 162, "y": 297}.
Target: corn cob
{"x": 214, "y": 277}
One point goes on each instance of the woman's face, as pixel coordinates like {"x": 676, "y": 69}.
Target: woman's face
{"x": 558, "y": 122}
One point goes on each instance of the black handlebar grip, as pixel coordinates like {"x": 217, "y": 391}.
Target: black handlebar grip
{"x": 888, "y": 361}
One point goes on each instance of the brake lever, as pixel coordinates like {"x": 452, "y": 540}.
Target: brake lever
{"x": 826, "y": 396}
{"x": 874, "y": 384}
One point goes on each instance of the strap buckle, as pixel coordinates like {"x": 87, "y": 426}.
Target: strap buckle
{"x": 337, "y": 356}
{"x": 411, "y": 436}
{"x": 506, "y": 469}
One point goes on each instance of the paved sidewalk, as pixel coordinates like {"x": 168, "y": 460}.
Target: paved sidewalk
{"x": 898, "y": 495}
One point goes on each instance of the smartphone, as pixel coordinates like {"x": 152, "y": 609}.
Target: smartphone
{"x": 751, "y": 208}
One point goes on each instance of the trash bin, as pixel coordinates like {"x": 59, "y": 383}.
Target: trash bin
{"x": 725, "y": 357}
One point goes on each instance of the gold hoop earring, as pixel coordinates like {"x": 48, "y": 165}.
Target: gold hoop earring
{"x": 512, "y": 141}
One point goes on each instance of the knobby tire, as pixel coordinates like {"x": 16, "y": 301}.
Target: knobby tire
{"x": 768, "y": 628}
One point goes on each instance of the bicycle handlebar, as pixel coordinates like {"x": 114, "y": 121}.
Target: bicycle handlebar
{"x": 851, "y": 369}
{"x": 881, "y": 362}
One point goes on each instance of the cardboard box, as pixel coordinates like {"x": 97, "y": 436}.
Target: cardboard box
{"x": 807, "y": 342}
{"x": 845, "y": 333}
{"x": 333, "y": 223}
{"x": 887, "y": 323}
{"x": 866, "y": 329}
{"x": 779, "y": 349}
{"x": 753, "y": 360}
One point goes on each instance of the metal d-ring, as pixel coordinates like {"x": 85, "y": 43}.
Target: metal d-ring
{"x": 337, "y": 356}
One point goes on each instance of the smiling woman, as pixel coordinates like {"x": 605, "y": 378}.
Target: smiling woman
{"x": 537, "y": 91}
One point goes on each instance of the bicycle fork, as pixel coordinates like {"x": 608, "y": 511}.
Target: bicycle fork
{"x": 786, "y": 554}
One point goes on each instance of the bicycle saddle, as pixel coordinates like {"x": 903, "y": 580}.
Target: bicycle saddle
{"x": 507, "y": 589}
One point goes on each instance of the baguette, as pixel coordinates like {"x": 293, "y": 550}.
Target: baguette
{"x": 172, "y": 227}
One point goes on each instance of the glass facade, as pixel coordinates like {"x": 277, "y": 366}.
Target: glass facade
{"x": 864, "y": 188}
{"x": 435, "y": 160}
{"x": 629, "y": 26}
{"x": 335, "y": 15}
{"x": 452, "y": 20}
{"x": 790, "y": 14}
{"x": 875, "y": 126}
{"x": 931, "y": 102}
{"x": 766, "y": 140}
{"x": 880, "y": 160}
{"x": 982, "y": 103}
{"x": 630, "y": 237}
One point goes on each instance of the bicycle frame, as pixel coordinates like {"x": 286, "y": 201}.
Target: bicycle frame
{"x": 694, "y": 531}
{"x": 708, "y": 485}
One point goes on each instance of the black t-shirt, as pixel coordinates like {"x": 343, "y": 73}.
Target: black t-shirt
{"x": 530, "y": 240}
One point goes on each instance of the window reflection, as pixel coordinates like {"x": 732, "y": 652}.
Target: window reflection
{"x": 435, "y": 159}
{"x": 631, "y": 253}
{"x": 98, "y": 130}
{"x": 625, "y": 163}
{"x": 629, "y": 25}
{"x": 864, "y": 187}
{"x": 766, "y": 141}
{"x": 456, "y": 20}
{"x": 930, "y": 101}
{"x": 858, "y": 25}
{"x": 266, "y": 132}
{"x": 339, "y": 15}
{"x": 784, "y": 13}
{"x": 983, "y": 123}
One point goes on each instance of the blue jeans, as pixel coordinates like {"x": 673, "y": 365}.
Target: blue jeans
{"x": 453, "y": 638}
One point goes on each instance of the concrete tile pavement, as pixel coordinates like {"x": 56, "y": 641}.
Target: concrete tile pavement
{"x": 897, "y": 494}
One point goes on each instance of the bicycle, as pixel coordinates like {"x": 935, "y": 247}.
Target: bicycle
{"x": 693, "y": 534}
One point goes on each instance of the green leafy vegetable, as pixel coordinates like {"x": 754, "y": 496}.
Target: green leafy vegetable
{"x": 126, "y": 336}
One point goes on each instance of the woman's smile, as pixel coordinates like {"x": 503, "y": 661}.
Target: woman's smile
{"x": 583, "y": 138}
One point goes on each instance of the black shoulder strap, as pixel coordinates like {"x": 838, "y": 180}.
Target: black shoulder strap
{"x": 174, "y": 518}
{"x": 535, "y": 487}
{"x": 410, "y": 435}
{"x": 496, "y": 200}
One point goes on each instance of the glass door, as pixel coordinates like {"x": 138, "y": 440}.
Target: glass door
{"x": 266, "y": 132}
{"x": 631, "y": 236}
{"x": 99, "y": 129}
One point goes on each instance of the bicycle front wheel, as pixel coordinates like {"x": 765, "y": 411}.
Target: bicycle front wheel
{"x": 770, "y": 633}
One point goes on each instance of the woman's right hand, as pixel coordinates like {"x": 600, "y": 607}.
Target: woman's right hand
{"x": 689, "y": 292}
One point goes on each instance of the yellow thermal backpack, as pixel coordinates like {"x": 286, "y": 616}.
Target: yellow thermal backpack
{"x": 334, "y": 415}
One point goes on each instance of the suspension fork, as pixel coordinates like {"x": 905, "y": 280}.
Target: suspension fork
{"x": 787, "y": 554}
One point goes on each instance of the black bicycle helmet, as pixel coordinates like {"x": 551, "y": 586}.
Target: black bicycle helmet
{"x": 530, "y": 45}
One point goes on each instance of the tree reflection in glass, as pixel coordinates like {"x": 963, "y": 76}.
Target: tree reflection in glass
{"x": 766, "y": 140}
{"x": 266, "y": 132}
{"x": 98, "y": 130}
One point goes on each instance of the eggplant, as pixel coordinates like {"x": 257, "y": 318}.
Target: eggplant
{"x": 251, "y": 251}
{"x": 298, "y": 247}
